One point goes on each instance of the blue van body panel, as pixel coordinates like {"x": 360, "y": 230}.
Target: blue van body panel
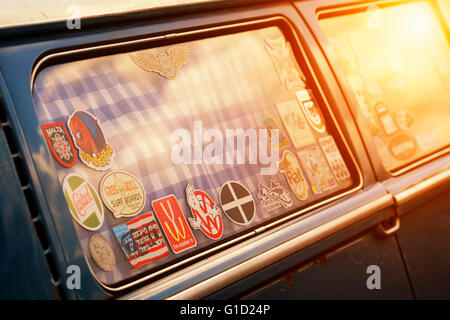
{"x": 24, "y": 273}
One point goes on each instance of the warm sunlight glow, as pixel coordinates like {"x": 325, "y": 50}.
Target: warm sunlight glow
{"x": 397, "y": 62}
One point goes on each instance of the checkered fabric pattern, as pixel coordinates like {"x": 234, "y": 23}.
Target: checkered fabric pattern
{"x": 229, "y": 82}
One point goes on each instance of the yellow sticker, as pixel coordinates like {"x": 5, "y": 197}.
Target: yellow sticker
{"x": 122, "y": 193}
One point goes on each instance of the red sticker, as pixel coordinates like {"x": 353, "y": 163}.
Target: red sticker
{"x": 60, "y": 144}
{"x": 206, "y": 214}
{"x": 174, "y": 224}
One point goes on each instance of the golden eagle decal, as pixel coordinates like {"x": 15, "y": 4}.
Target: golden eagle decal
{"x": 167, "y": 64}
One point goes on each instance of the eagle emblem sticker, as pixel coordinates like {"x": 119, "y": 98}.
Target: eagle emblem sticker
{"x": 167, "y": 64}
{"x": 291, "y": 168}
{"x": 60, "y": 144}
{"x": 274, "y": 196}
{"x": 141, "y": 240}
{"x": 237, "y": 202}
{"x": 83, "y": 201}
{"x": 174, "y": 224}
{"x": 311, "y": 110}
{"x": 207, "y": 216}
{"x": 122, "y": 193}
{"x": 280, "y": 52}
{"x": 95, "y": 152}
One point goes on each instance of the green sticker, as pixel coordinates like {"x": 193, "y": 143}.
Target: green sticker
{"x": 83, "y": 202}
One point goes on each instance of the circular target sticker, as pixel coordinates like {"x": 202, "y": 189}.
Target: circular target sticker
{"x": 237, "y": 202}
{"x": 83, "y": 201}
{"x": 122, "y": 193}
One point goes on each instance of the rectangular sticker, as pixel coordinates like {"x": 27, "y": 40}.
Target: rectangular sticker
{"x": 141, "y": 240}
{"x": 295, "y": 123}
{"x": 174, "y": 224}
{"x": 317, "y": 170}
{"x": 337, "y": 164}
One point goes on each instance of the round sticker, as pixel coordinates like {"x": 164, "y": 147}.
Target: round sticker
{"x": 83, "y": 201}
{"x": 102, "y": 253}
{"x": 403, "y": 147}
{"x": 237, "y": 202}
{"x": 122, "y": 193}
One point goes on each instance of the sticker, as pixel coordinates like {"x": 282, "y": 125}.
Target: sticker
{"x": 60, "y": 143}
{"x": 274, "y": 196}
{"x": 102, "y": 253}
{"x": 281, "y": 54}
{"x": 403, "y": 147}
{"x": 270, "y": 123}
{"x": 383, "y": 152}
{"x": 237, "y": 202}
{"x": 95, "y": 152}
{"x": 141, "y": 240}
{"x": 404, "y": 120}
{"x": 83, "y": 201}
{"x": 207, "y": 215}
{"x": 174, "y": 224}
{"x": 428, "y": 140}
{"x": 167, "y": 64}
{"x": 122, "y": 193}
{"x": 291, "y": 168}
{"x": 334, "y": 158}
{"x": 386, "y": 120}
{"x": 295, "y": 123}
{"x": 319, "y": 174}
{"x": 311, "y": 110}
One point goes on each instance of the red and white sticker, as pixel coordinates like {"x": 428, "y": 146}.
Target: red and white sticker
{"x": 207, "y": 216}
{"x": 174, "y": 224}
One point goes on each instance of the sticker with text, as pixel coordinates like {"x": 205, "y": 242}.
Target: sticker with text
{"x": 141, "y": 240}
{"x": 60, "y": 143}
{"x": 174, "y": 224}
{"x": 94, "y": 150}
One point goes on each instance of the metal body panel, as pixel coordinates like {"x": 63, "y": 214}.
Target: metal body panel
{"x": 424, "y": 238}
{"x": 343, "y": 274}
{"x": 24, "y": 270}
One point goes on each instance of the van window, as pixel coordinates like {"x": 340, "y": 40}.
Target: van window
{"x": 397, "y": 61}
{"x": 166, "y": 152}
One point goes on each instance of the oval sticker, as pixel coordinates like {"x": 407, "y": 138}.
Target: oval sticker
{"x": 83, "y": 201}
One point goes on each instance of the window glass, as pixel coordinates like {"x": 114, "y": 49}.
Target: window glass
{"x": 444, "y": 6}
{"x": 397, "y": 61}
{"x": 167, "y": 151}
